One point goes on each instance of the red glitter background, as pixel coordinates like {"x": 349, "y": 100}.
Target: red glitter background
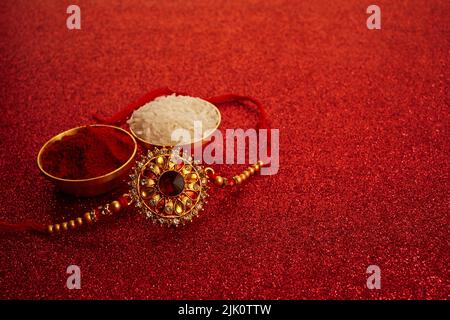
{"x": 363, "y": 120}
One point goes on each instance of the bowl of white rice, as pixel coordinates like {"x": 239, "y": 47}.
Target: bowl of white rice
{"x": 174, "y": 120}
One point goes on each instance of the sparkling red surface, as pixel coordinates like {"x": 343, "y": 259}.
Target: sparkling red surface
{"x": 363, "y": 120}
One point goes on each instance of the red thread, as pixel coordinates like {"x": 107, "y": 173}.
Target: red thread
{"x": 123, "y": 114}
{"x": 25, "y": 226}
{"x": 263, "y": 123}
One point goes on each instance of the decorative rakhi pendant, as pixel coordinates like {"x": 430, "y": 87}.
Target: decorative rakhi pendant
{"x": 167, "y": 187}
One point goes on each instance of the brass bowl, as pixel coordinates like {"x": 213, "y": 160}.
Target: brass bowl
{"x": 204, "y": 140}
{"x": 92, "y": 186}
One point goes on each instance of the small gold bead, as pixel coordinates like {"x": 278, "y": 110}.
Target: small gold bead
{"x": 237, "y": 179}
{"x": 65, "y": 226}
{"x": 193, "y": 176}
{"x": 251, "y": 170}
{"x": 256, "y": 167}
{"x": 115, "y": 206}
{"x": 243, "y": 177}
{"x": 246, "y": 173}
{"x": 160, "y": 160}
{"x": 72, "y": 224}
{"x": 79, "y": 221}
{"x": 87, "y": 217}
{"x": 57, "y": 227}
{"x": 260, "y": 163}
{"x": 218, "y": 181}
{"x": 50, "y": 228}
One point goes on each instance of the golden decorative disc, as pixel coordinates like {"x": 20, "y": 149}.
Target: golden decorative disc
{"x": 168, "y": 188}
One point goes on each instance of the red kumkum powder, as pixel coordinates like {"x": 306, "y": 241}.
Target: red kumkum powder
{"x": 91, "y": 152}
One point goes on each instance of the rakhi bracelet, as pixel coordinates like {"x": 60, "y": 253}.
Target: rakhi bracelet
{"x": 171, "y": 209}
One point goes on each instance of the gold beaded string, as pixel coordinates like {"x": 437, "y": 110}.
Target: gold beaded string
{"x": 237, "y": 179}
{"x": 92, "y": 216}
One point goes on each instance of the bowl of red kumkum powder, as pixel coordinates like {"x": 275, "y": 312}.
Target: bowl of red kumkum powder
{"x": 89, "y": 160}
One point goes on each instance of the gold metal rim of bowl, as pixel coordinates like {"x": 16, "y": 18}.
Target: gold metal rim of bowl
{"x": 219, "y": 120}
{"x": 68, "y": 132}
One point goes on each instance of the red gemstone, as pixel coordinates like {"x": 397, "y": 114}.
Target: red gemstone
{"x": 160, "y": 205}
{"x": 191, "y": 194}
{"x": 148, "y": 173}
{"x": 171, "y": 183}
{"x": 179, "y": 165}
